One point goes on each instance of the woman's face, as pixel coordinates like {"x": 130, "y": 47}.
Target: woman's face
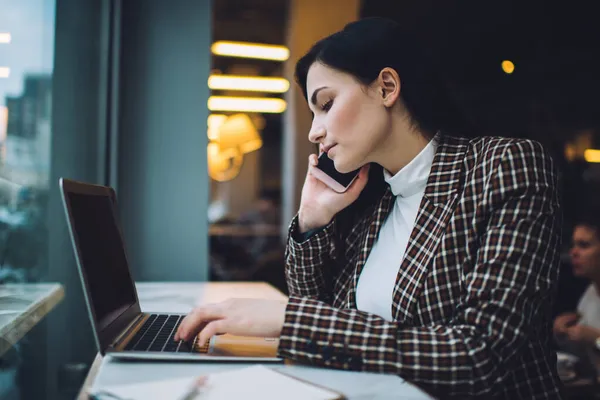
{"x": 349, "y": 119}
{"x": 585, "y": 252}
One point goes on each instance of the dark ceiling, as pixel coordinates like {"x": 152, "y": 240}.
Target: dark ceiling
{"x": 258, "y": 21}
{"x": 554, "y": 45}
{"x": 262, "y": 21}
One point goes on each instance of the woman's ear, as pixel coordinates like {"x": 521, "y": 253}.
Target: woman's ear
{"x": 389, "y": 86}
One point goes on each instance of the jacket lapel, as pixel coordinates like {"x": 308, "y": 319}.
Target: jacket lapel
{"x": 434, "y": 211}
{"x": 369, "y": 237}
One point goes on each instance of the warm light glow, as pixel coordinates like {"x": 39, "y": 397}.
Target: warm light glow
{"x": 214, "y": 123}
{"x": 5, "y": 37}
{"x": 250, "y": 50}
{"x": 4, "y": 72}
{"x": 246, "y": 104}
{"x": 248, "y": 83}
{"x": 570, "y": 152}
{"x": 508, "y": 66}
{"x": 592, "y": 155}
{"x": 239, "y": 133}
{"x": 222, "y": 167}
{"x": 233, "y": 136}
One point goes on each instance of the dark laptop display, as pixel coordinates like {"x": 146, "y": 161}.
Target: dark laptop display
{"x": 103, "y": 256}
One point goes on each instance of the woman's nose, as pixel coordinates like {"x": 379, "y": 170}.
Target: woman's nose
{"x": 316, "y": 134}
{"x": 573, "y": 253}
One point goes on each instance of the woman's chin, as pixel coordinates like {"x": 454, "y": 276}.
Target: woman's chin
{"x": 579, "y": 272}
{"x": 343, "y": 167}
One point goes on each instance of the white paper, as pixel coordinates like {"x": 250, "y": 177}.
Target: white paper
{"x": 256, "y": 382}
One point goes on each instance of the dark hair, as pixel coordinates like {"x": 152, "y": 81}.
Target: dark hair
{"x": 590, "y": 218}
{"x": 363, "y": 48}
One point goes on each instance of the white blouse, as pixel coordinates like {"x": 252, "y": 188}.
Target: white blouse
{"x": 378, "y": 277}
{"x": 589, "y": 309}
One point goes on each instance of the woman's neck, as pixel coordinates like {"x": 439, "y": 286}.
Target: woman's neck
{"x": 403, "y": 144}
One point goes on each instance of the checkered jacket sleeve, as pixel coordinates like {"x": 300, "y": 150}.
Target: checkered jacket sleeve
{"x": 505, "y": 292}
{"x": 311, "y": 263}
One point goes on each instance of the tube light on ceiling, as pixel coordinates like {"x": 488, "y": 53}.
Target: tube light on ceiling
{"x": 248, "y": 83}
{"x": 4, "y": 72}
{"x": 246, "y": 104}
{"x": 250, "y": 50}
{"x": 592, "y": 155}
{"x": 5, "y": 37}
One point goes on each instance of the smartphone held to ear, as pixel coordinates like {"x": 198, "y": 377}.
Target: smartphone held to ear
{"x": 325, "y": 172}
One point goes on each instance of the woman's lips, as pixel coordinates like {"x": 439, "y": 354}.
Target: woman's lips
{"x": 326, "y": 149}
{"x": 330, "y": 152}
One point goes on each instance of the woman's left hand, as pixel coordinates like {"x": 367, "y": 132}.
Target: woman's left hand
{"x": 582, "y": 334}
{"x": 241, "y": 317}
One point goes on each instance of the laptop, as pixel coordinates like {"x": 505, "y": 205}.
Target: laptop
{"x": 120, "y": 327}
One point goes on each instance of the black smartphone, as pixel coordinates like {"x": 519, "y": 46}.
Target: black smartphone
{"x": 326, "y": 173}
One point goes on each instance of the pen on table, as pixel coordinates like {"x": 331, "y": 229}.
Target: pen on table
{"x": 103, "y": 394}
{"x": 194, "y": 389}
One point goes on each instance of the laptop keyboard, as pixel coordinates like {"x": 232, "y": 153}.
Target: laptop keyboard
{"x": 156, "y": 334}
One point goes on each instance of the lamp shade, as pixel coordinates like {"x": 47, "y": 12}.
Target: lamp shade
{"x": 238, "y": 133}
{"x": 220, "y": 167}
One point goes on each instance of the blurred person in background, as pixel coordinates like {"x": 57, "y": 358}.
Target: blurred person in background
{"x": 578, "y": 332}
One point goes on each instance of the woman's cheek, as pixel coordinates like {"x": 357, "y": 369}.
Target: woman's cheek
{"x": 343, "y": 118}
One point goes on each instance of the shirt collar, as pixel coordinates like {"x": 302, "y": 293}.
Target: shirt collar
{"x": 412, "y": 179}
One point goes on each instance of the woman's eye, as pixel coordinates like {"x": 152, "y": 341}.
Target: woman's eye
{"x": 327, "y": 106}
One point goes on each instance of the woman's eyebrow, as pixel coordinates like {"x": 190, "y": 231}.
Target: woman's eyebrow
{"x": 313, "y": 98}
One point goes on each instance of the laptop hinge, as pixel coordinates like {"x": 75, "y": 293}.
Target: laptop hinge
{"x": 125, "y": 333}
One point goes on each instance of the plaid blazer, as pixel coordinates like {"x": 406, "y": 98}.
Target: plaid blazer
{"x": 473, "y": 295}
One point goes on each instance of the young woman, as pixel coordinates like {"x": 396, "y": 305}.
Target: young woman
{"x": 439, "y": 264}
{"x": 579, "y": 331}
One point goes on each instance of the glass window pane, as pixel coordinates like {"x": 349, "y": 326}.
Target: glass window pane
{"x": 26, "y": 66}
{"x": 26, "y": 57}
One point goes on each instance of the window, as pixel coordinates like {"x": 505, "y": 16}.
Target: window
{"x": 26, "y": 55}
{"x": 26, "y": 66}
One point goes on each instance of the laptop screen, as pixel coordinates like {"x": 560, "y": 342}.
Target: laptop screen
{"x": 102, "y": 255}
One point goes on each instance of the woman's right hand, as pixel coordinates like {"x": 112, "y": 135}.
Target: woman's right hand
{"x": 565, "y": 321}
{"x": 319, "y": 203}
